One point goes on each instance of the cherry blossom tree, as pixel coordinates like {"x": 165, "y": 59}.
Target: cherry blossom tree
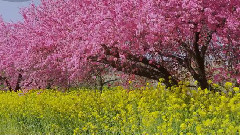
{"x": 10, "y": 74}
{"x": 61, "y": 41}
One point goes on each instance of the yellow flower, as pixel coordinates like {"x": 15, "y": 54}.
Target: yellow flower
{"x": 236, "y": 89}
{"x": 183, "y": 126}
{"x": 161, "y": 80}
{"x": 199, "y": 129}
{"x": 210, "y": 82}
{"x": 211, "y": 109}
{"x": 196, "y": 82}
{"x": 207, "y": 123}
{"x": 215, "y": 85}
{"x": 228, "y": 84}
{"x": 76, "y": 131}
{"x": 220, "y": 131}
{"x": 206, "y": 91}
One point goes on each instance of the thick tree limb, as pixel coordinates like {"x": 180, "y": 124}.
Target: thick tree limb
{"x": 151, "y": 70}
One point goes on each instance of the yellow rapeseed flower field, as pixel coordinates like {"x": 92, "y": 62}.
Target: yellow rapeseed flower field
{"x": 149, "y": 110}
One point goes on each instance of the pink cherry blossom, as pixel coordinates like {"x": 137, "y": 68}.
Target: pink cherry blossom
{"x": 60, "y": 42}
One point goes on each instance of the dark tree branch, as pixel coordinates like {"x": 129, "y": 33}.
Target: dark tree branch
{"x": 106, "y": 82}
{"x": 8, "y": 84}
{"x": 205, "y": 46}
{"x": 151, "y": 70}
{"x": 4, "y": 79}
{"x": 18, "y": 83}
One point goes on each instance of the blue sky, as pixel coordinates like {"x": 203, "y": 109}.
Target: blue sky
{"x": 9, "y": 9}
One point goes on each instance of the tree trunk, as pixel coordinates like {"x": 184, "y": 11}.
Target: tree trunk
{"x": 8, "y": 85}
{"x": 17, "y": 88}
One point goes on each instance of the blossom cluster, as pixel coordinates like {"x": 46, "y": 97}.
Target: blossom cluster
{"x": 59, "y": 42}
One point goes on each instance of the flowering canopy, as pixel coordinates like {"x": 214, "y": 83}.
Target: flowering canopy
{"x": 60, "y": 41}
